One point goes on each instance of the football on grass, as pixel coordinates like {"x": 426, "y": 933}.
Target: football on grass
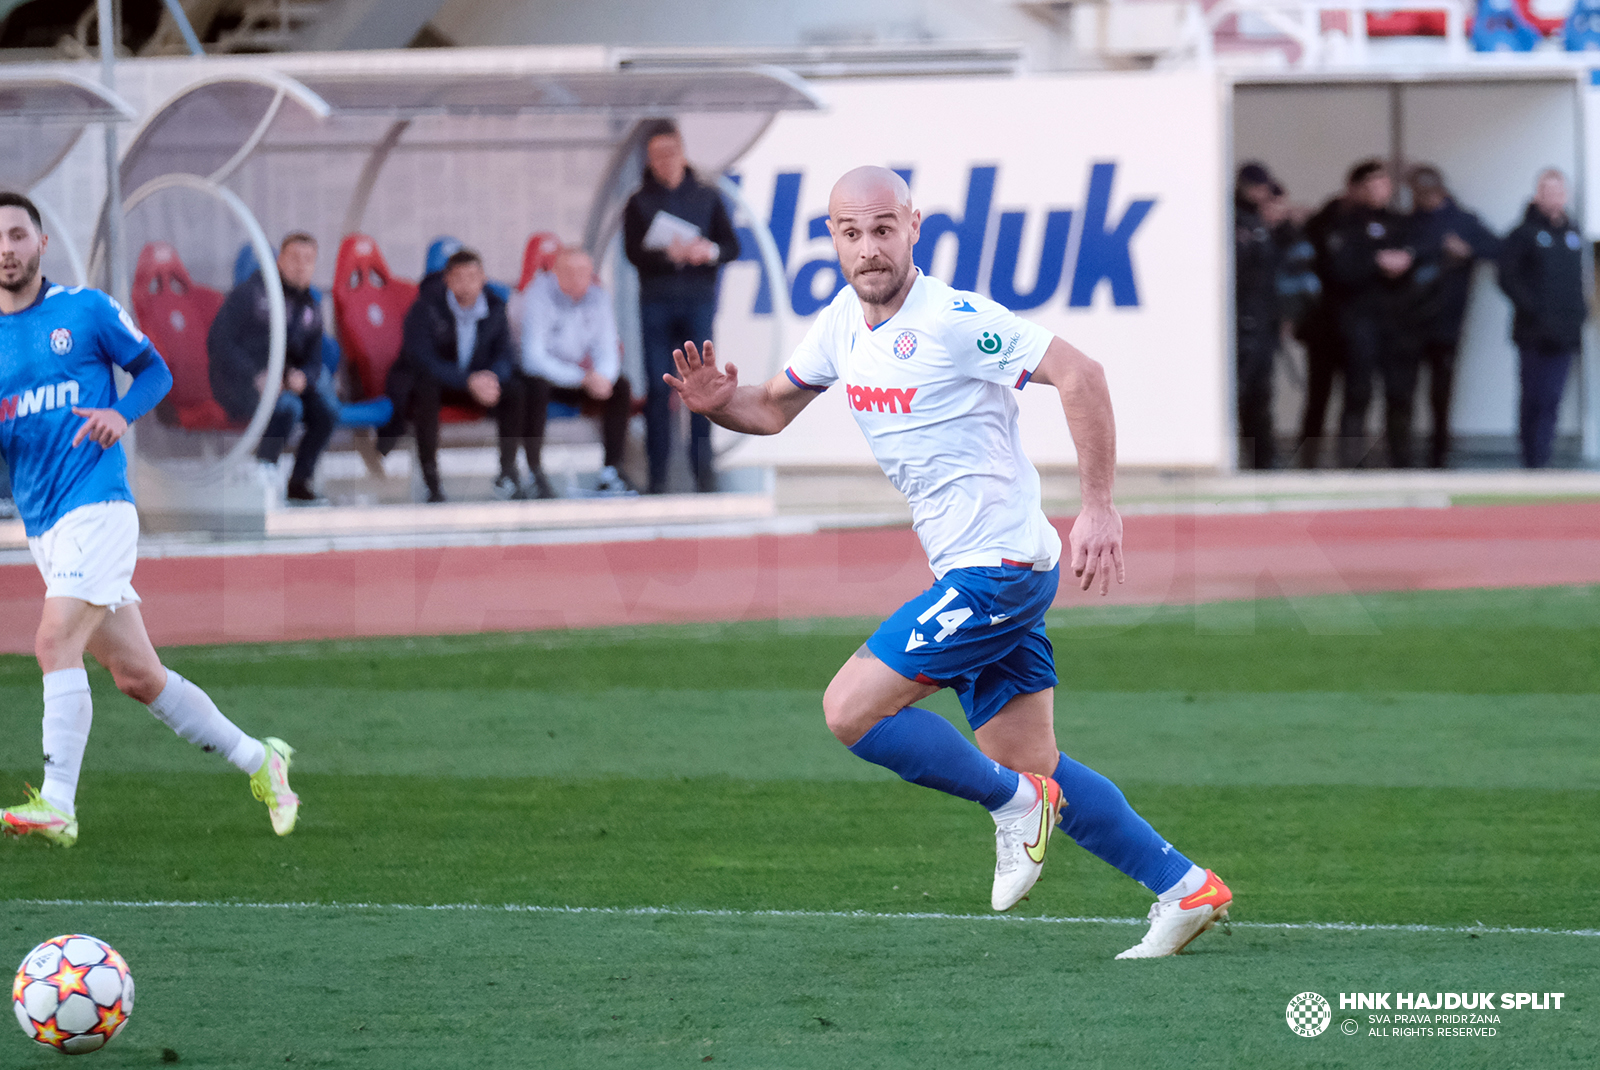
{"x": 73, "y": 993}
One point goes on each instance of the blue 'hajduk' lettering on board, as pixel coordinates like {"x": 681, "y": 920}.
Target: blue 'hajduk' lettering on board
{"x": 1103, "y": 252}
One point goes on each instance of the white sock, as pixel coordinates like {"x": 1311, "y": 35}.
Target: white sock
{"x": 68, "y": 713}
{"x": 1187, "y": 885}
{"x": 1024, "y": 800}
{"x": 189, "y": 711}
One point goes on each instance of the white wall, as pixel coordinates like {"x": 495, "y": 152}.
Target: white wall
{"x": 1310, "y": 135}
{"x": 1043, "y": 134}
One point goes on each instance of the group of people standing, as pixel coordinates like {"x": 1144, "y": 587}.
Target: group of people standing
{"x": 1376, "y": 294}
{"x": 465, "y": 345}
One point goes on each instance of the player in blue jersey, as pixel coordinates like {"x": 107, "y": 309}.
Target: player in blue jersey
{"x": 60, "y": 429}
{"x": 930, "y": 375}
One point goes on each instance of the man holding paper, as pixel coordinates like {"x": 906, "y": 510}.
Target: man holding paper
{"x": 677, "y": 233}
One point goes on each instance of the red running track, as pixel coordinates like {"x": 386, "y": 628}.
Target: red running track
{"x": 1171, "y": 559}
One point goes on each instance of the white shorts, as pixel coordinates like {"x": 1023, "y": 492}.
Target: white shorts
{"x": 90, "y": 553}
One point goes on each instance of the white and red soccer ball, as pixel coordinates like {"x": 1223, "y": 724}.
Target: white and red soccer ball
{"x": 73, "y": 993}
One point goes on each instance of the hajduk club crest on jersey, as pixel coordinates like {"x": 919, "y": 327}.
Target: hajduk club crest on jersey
{"x": 61, "y": 341}
{"x": 905, "y": 344}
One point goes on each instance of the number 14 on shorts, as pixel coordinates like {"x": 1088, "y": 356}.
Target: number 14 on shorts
{"x": 948, "y": 621}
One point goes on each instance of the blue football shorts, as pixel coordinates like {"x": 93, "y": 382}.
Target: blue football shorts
{"x": 978, "y": 631}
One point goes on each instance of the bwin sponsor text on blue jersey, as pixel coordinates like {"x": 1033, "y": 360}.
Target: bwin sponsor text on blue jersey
{"x": 40, "y": 399}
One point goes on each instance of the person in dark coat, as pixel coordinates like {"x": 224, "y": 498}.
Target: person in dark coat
{"x": 1257, "y": 258}
{"x": 1541, "y": 271}
{"x": 455, "y": 349}
{"x": 678, "y": 267}
{"x": 1446, "y": 240}
{"x": 1366, "y": 264}
{"x": 236, "y": 346}
{"x": 1318, "y": 329}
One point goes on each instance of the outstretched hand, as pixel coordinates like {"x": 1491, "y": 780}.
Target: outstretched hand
{"x": 702, "y": 387}
{"x": 1096, "y": 541}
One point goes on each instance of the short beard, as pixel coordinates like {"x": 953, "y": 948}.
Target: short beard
{"x": 29, "y": 272}
{"x": 887, "y": 286}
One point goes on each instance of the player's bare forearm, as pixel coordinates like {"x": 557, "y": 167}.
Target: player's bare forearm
{"x": 1096, "y": 536}
{"x": 753, "y": 410}
{"x": 716, "y": 394}
{"x": 1086, "y": 400}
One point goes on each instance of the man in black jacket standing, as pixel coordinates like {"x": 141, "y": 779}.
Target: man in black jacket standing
{"x": 1257, "y": 257}
{"x": 1446, "y": 240}
{"x": 455, "y": 349}
{"x": 1365, "y": 261}
{"x": 677, "y": 233}
{"x": 1541, "y": 271}
{"x": 237, "y": 348}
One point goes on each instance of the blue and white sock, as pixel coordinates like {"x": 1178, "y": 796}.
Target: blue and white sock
{"x": 926, "y": 749}
{"x": 1190, "y": 883}
{"x": 1097, "y": 816}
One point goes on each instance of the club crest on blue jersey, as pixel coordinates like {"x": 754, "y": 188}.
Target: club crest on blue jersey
{"x": 61, "y": 341}
{"x": 905, "y": 344}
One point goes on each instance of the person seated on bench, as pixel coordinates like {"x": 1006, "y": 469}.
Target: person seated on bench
{"x": 237, "y": 348}
{"x": 570, "y": 355}
{"x": 455, "y": 349}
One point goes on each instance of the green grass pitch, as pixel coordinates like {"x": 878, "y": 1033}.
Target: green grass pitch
{"x": 641, "y": 848}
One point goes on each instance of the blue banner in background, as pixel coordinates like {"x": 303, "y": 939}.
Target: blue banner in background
{"x": 1582, "y": 33}
{"x": 1500, "y": 26}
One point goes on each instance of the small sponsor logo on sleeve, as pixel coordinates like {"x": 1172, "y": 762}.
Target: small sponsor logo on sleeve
{"x": 126, "y": 320}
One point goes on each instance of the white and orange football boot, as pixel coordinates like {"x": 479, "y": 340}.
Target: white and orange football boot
{"x": 37, "y": 817}
{"x": 1175, "y": 924}
{"x": 1019, "y": 845}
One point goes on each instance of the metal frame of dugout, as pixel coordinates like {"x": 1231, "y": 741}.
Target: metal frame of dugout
{"x": 316, "y": 149}
{"x": 42, "y": 116}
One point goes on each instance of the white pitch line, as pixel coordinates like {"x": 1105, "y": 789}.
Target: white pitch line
{"x": 521, "y": 908}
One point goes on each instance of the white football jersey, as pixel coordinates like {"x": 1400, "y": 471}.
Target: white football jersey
{"x": 931, "y": 388}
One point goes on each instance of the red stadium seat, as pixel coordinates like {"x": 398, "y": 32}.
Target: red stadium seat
{"x": 176, "y": 312}
{"x": 539, "y": 255}
{"x": 369, "y": 309}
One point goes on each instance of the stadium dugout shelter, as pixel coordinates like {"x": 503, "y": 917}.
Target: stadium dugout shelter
{"x": 42, "y": 116}
{"x": 1491, "y": 127}
{"x": 377, "y": 157}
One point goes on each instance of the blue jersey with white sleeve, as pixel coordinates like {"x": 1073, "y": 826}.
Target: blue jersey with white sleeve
{"x": 55, "y": 355}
